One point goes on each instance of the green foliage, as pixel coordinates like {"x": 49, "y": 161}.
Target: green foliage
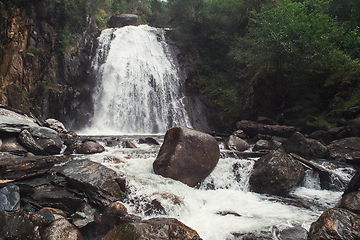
{"x": 300, "y": 51}
{"x": 66, "y": 41}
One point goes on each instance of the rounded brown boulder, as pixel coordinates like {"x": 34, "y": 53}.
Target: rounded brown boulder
{"x": 187, "y": 155}
{"x": 90, "y": 147}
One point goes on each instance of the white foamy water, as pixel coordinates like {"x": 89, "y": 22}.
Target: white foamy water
{"x": 222, "y": 207}
{"x": 139, "y": 89}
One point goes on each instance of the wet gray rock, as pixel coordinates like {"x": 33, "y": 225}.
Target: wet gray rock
{"x": 266, "y": 145}
{"x": 293, "y": 233}
{"x": 149, "y": 140}
{"x": 236, "y": 143}
{"x": 11, "y": 145}
{"x": 12, "y": 122}
{"x": 27, "y": 140}
{"x": 187, "y": 155}
{"x": 10, "y": 197}
{"x": 48, "y": 139}
{"x": 55, "y": 125}
{"x": 305, "y": 147}
{"x": 70, "y": 140}
{"x": 99, "y": 183}
{"x": 276, "y": 173}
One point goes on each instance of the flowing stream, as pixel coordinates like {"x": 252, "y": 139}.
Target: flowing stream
{"x": 221, "y": 207}
{"x": 140, "y": 92}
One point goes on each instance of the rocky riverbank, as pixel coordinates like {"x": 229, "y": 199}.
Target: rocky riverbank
{"x": 49, "y": 181}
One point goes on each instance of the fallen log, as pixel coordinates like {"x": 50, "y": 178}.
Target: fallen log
{"x": 324, "y": 175}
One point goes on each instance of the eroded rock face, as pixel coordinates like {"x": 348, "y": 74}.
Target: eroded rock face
{"x": 276, "y": 173}
{"x": 34, "y": 67}
{"x": 156, "y": 228}
{"x": 336, "y": 223}
{"x": 187, "y": 155}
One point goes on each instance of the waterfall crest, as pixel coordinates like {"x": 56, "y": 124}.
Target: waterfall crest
{"x": 139, "y": 89}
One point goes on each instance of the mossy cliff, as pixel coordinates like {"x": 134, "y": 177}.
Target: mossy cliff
{"x": 45, "y": 60}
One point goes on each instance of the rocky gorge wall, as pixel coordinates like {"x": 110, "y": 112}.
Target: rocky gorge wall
{"x": 37, "y": 73}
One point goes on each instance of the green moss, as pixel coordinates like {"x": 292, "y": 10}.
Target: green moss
{"x": 124, "y": 232}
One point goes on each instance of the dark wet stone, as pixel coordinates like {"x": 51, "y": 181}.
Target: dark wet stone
{"x": 99, "y": 183}
{"x": 10, "y": 197}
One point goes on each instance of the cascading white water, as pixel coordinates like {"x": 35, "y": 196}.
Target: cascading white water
{"x": 139, "y": 88}
{"x": 222, "y": 207}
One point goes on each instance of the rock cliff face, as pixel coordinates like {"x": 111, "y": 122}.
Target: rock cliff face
{"x": 38, "y": 73}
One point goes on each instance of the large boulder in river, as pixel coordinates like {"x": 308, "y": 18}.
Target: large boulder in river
{"x": 156, "y": 228}
{"x": 122, "y": 20}
{"x": 187, "y": 155}
{"x": 336, "y": 223}
{"x": 276, "y": 173}
{"x": 305, "y": 147}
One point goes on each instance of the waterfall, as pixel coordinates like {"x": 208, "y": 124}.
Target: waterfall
{"x": 139, "y": 89}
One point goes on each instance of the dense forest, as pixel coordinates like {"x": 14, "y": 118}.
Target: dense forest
{"x": 297, "y": 58}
